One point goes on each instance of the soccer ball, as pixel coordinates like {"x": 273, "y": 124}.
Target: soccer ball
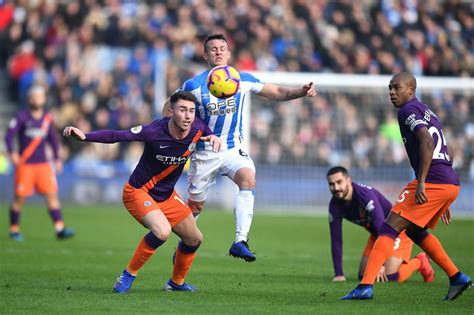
{"x": 223, "y": 81}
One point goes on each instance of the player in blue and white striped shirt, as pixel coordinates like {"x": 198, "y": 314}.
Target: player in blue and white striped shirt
{"x": 224, "y": 118}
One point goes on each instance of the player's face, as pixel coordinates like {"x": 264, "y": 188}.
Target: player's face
{"x": 339, "y": 185}
{"x": 37, "y": 99}
{"x": 399, "y": 91}
{"x": 183, "y": 114}
{"x": 217, "y": 52}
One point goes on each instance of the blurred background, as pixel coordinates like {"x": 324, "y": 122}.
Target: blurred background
{"x": 110, "y": 64}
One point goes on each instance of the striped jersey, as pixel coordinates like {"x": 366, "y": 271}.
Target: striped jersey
{"x": 223, "y": 116}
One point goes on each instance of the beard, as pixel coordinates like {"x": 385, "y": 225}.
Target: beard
{"x": 341, "y": 194}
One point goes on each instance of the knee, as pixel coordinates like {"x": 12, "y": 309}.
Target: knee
{"x": 199, "y": 238}
{"x": 194, "y": 242}
{"x": 53, "y": 201}
{"x": 161, "y": 231}
{"x": 392, "y": 265}
{"x": 251, "y": 183}
{"x": 247, "y": 182}
{"x": 54, "y": 204}
{"x": 18, "y": 202}
{"x": 192, "y": 237}
{"x": 162, "y": 234}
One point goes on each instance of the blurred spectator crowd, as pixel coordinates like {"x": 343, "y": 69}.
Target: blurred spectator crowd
{"x": 358, "y": 129}
{"x": 99, "y": 58}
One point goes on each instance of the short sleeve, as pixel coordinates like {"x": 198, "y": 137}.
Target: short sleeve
{"x": 254, "y": 85}
{"x": 411, "y": 117}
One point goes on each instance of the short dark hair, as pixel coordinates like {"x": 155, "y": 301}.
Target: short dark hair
{"x": 407, "y": 78}
{"x": 212, "y": 37}
{"x": 337, "y": 169}
{"x": 182, "y": 95}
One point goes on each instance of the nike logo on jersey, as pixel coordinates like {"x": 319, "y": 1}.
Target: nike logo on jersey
{"x": 164, "y": 146}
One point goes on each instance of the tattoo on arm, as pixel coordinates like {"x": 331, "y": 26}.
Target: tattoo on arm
{"x": 291, "y": 94}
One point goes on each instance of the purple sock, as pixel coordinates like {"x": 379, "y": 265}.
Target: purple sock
{"x": 188, "y": 249}
{"x": 153, "y": 241}
{"x": 14, "y": 217}
{"x": 393, "y": 277}
{"x": 56, "y": 215}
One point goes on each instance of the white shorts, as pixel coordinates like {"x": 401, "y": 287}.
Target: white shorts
{"x": 206, "y": 164}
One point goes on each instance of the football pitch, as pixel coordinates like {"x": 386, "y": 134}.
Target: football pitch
{"x": 292, "y": 273}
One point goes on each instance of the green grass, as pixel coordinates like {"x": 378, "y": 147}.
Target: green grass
{"x": 292, "y": 273}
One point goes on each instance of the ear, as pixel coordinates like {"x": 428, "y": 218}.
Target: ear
{"x": 205, "y": 56}
{"x": 169, "y": 112}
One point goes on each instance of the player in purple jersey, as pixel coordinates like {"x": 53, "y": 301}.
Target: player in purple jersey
{"x": 232, "y": 161}
{"x": 33, "y": 172}
{"x": 424, "y": 200}
{"x": 149, "y": 195}
{"x": 367, "y": 207}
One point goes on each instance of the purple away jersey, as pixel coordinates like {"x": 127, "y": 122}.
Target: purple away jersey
{"x": 413, "y": 116}
{"x": 163, "y": 157}
{"x": 368, "y": 208}
{"x": 33, "y": 134}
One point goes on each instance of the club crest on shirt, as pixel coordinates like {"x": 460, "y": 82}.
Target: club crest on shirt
{"x": 136, "y": 129}
{"x": 370, "y": 206}
{"x": 192, "y": 147}
{"x": 147, "y": 203}
{"x": 12, "y": 123}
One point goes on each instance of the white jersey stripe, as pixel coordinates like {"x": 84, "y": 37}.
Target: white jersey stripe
{"x": 223, "y": 116}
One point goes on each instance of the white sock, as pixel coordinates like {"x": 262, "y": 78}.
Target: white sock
{"x": 243, "y": 214}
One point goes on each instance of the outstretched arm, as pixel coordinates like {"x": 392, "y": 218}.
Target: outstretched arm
{"x": 283, "y": 93}
{"x": 107, "y": 136}
{"x": 74, "y": 132}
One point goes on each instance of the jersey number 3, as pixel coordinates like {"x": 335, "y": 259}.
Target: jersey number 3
{"x": 396, "y": 245}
